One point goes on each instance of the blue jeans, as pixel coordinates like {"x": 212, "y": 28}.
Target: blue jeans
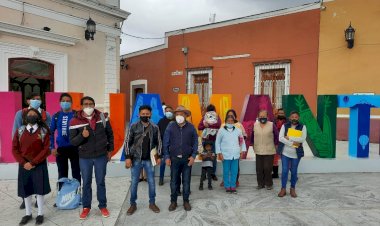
{"x": 292, "y": 164}
{"x": 162, "y": 168}
{"x": 180, "y": 168}
{"x": 86, "y": 168}
{"x": 230, "y": 171}
{"x": 135, "y": 173}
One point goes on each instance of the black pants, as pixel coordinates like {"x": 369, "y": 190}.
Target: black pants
{"x": 64, "y": 155}
{"x": 264, "y": 164}
{"x": 206, "y": 171}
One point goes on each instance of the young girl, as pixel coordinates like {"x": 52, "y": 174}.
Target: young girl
{"x": 228, "y": 145}
{"x": 30, "y": 148}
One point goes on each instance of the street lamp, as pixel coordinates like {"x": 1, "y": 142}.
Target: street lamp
{"x": 349, "y": 34}
{"x": 91, "y": 29}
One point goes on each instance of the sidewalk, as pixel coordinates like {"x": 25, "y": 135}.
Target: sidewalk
{"x": 323, "y": 199}
{"x": 117, "y": 189}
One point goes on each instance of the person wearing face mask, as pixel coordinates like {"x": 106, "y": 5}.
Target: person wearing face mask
{"x": 264, "y": 140}
{"x": 143, "y": 136}
{"x": 34, "y": 101}
{"x": 279, "y": 121}
{"x": 180, "y": 149}
{"x": 229, "y": 146}
{"x": 65, "y": 151}
{"x": 291, "y": 151}
{"x": 162, "y": 125}
{"x": 30, "y": 147}
{"x": 91, "y": 133}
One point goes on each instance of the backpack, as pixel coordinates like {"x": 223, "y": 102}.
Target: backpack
{"x": 21, "y": 130}
{"x": 68, "y": 196}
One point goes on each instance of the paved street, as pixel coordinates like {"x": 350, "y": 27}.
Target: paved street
{"x": 324, "y": 199}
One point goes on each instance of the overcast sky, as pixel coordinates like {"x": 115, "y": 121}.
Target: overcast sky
{"x": 152, "y": 18}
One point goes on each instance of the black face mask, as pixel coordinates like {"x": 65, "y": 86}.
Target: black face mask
{"x": 294, "y": 121}
{"x": 31, "y": 119}
{"x": 281, "y": 117}
{"x": 144, "y": 118}
{"x": 263, "y": 120}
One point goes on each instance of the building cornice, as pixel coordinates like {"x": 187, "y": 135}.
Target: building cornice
{"x": 28, "y": 32}
{"x": 98, "y": 7}
{"x": 54, "y": 15}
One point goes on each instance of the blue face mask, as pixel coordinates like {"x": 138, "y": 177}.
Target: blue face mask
{"x": 229, "y": 126}
{"x": 169, "y": 115}
{"x": 35, "y": 104}
{"x": 65, "y": 105}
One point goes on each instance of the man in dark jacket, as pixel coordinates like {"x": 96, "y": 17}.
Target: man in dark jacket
{"x": 91, "y": 132}
{"x": 162, "y": 125}
{"x": 180, "y": 148}
{"x": 143, "y": 136}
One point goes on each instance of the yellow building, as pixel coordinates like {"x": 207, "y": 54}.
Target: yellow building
{"x": 342, "y": 70}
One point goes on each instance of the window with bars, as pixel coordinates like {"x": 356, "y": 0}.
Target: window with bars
{"x": 272, "y": 79}
{"x": 200, "y": 82}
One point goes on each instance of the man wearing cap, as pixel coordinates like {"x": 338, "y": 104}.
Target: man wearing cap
{"x": 180, "y": 149}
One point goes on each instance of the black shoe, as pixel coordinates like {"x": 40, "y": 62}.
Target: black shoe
{"x": 36, "y": 205}
{"x": 161, "y": 182}
{"x": 22, "y": 206}
{"x": 210, "y": 187}
{"x": 233, "y": 191}
{"x": 201, "y": 187}
{"x": 25, "y": 219}
{"x": 55, "y": 205}
{"x": 179, "y": 193}
{"x": 39, "y": 219}
{"x": 260, "y": 187}
{"x": 214, "y": 177}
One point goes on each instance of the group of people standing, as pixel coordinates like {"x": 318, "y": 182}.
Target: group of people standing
{"x": 85, "y": 138}
{"x": 176, "y": 142}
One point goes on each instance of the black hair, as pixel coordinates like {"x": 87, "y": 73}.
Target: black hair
{"x": 205, "y": 143}
{"x": 65, "y": 95}
{"x": 163, "y": 103}
{"x": 210, "y": 107}
{"x": 33, "y": 95}
{"x": 294, "y": 112}
{"x": 145, "y": 107}
{"x": 168, "y": 107}
{"x": 86, "y": 98}
{"x": 40, "y": 122}
{"x": 233, "y": 112}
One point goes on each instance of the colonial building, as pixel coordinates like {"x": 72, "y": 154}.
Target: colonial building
{"x": 61, "y": 45}
{"x": 272, "y": 53}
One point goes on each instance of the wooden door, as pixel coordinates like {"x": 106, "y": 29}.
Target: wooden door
{"x": 201, "y": 87}
{"x": 273, "y": 84}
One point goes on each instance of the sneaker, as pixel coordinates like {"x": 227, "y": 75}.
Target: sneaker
{"x": 200, "y": 187}
{"x": 233, "y": 191}
{"x": 132, "y": 209}
{"x": 210, "y": 187}
{"x": 154, "y": 208}
{"x": 84, "y": 213}
{"x": 161, "y": 182}
{"x": 105, "y": 212}
{"x": 39, "y": 219}
{"x": 228, "y": 190}
{"x": 269, "y": 187}
{"x": 214, "y": 177}
{"x": 172, "y": 206}
{"x": 25, "y": 219}
{"x": 186, "y": 206}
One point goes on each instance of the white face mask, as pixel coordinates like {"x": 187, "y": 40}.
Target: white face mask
{"x": 88, "y": 110}
{"x": 179, "y": 119}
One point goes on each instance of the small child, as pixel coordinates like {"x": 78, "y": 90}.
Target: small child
{"x": 207, "y": 164}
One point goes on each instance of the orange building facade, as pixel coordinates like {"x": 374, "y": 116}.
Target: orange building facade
{"x": 274, "y": 53}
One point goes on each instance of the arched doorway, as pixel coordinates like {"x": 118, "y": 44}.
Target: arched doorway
{"x": 30, "y": 75}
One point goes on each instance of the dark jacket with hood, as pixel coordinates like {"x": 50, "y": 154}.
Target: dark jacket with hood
{"x": 99, "y": 142}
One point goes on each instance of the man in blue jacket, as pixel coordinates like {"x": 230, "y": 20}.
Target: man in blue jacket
{"x": 180, "y": 149}
{"x": 65, "y": 151}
